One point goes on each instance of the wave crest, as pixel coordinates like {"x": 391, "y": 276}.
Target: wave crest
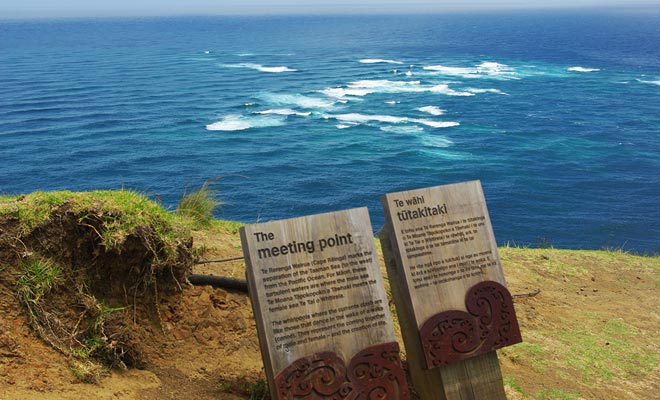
{"x": 433, "y": 110}
{"x": 260, "y": 67}
{"x": 234, "y": 122}
{"x": 583, "y": 69}
{"x": 379, "y": 61}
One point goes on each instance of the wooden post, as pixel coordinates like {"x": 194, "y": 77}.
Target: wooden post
{"x": 449, "y": 290}
{"x": 321, "y": 310}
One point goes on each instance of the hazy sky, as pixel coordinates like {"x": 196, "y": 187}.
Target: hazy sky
{"x": 79, "y": 8}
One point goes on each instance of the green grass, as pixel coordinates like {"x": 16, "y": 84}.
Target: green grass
{"x": 231, "y": 227}
{"x": 38, "y": 277}
{"x": 599, "y": 355}
{"x": 532, "y": 354}
{"x": 120, "y": 212}
{"x": 198, "y": 205}
{"x": 557, "y": 394}
{"x": 87, "y": 371}
{"x": 511, "y": 382}
{"x": 258, "y": 390}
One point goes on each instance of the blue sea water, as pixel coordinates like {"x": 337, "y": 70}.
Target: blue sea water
{"x": 558, "y": 114}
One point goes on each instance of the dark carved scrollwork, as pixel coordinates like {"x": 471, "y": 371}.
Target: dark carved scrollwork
{"x": 374, "y": 373}
{"x": 489, "y": 324}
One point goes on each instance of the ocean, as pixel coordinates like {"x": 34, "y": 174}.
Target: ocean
{"x": 557, "y": 113}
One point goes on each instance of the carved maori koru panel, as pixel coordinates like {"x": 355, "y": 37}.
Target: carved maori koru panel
{"x": 373, "y": 373}
{"x": 489, "y": 324}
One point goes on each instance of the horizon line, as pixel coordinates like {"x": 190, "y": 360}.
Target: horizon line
{"x": 365, "y": 13}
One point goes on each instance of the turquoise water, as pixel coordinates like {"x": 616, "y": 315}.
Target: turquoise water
{"x": 557, "y": 114}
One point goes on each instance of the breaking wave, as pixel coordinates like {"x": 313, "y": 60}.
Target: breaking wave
{"x": 356, "y": 118}
{"x": 406, "y": 129}
{"x": 260, "y": 67}
{"x": 649, "y": 82}
{"x": 480, "y": 91}
{"x": 235, "y": 122}
{"x": 436, "y": 141}
{"x": 582, "y": 69}
{"x": 357, "y": 89}
{"x": 484, "y": 70}
{"x": 379, "y": 61}
{"x": 296, "y": 100}
{"x": 445, "y": 89}
{"x": 433, "y": 110}
{"x": 283, "y": 111}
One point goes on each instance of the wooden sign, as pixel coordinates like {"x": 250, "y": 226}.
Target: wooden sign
{"x": 322, "y": 314}
{"x": 448, "y": 286}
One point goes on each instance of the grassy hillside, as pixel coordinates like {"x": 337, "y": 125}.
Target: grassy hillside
{"x": 93, "y": 289}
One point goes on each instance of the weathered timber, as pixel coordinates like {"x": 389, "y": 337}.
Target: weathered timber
{"x": 321, "y": 310}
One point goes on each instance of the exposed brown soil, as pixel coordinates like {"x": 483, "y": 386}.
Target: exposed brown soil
{"x": 183, "y": 342}
{"x": 143, "y": 330}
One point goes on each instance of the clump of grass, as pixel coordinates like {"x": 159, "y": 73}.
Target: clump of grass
{"x": 242, "y": 385}
{"x": 231, "y": 227}
{"x": 33, "y": 288}
{"x": 258, "y": 390}
{"x": 198, "y": 205}
{"x": 39, "y": 276}
{"x": 510, "y": 382}
{"x": 87, "y": 371}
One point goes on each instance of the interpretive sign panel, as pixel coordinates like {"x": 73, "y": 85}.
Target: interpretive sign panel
{"x": 321, "y": 310}
{"x": 446, "y": 274}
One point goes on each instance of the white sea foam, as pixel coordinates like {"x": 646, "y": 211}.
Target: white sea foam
{"x": 356, "y": 118}
{"x": 436, "y": 124}
{"x": 494, "y": 69}
{"x": 433, "y": 110}
{"x": 583, "y": 69}
{"x": 357, "y": 89}
{"x": 277, "y": 69}
{"x": 365, "y": 87}
{"x": 487, "y": 69}
{"x": 382, "y": 84}
{"x": 344, "y": 126}
{"x": 406, "y": 129}
{"x": 362, "y": 118}
{"x": 436, "y": 141}
{"x": 283, "y": 111}
{"x": 379, "y": 61}
{"x": 649, "y": 82}
{"x": 480, "y": 91}
{"x": 457, "y": 71}
{"x": 341, "y": 93}
{"x": 235, "y": 122}
{"x": 445, "y": 89}
{"x": 260, "y": 67}
{"x": 392, "y": 102}
{"x": 296, "y": 100}
{"x": 207, "y": 52}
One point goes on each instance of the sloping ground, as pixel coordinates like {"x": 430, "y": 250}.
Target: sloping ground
{"x": 94, "y": 302}
{"x": 591, "y": 333}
